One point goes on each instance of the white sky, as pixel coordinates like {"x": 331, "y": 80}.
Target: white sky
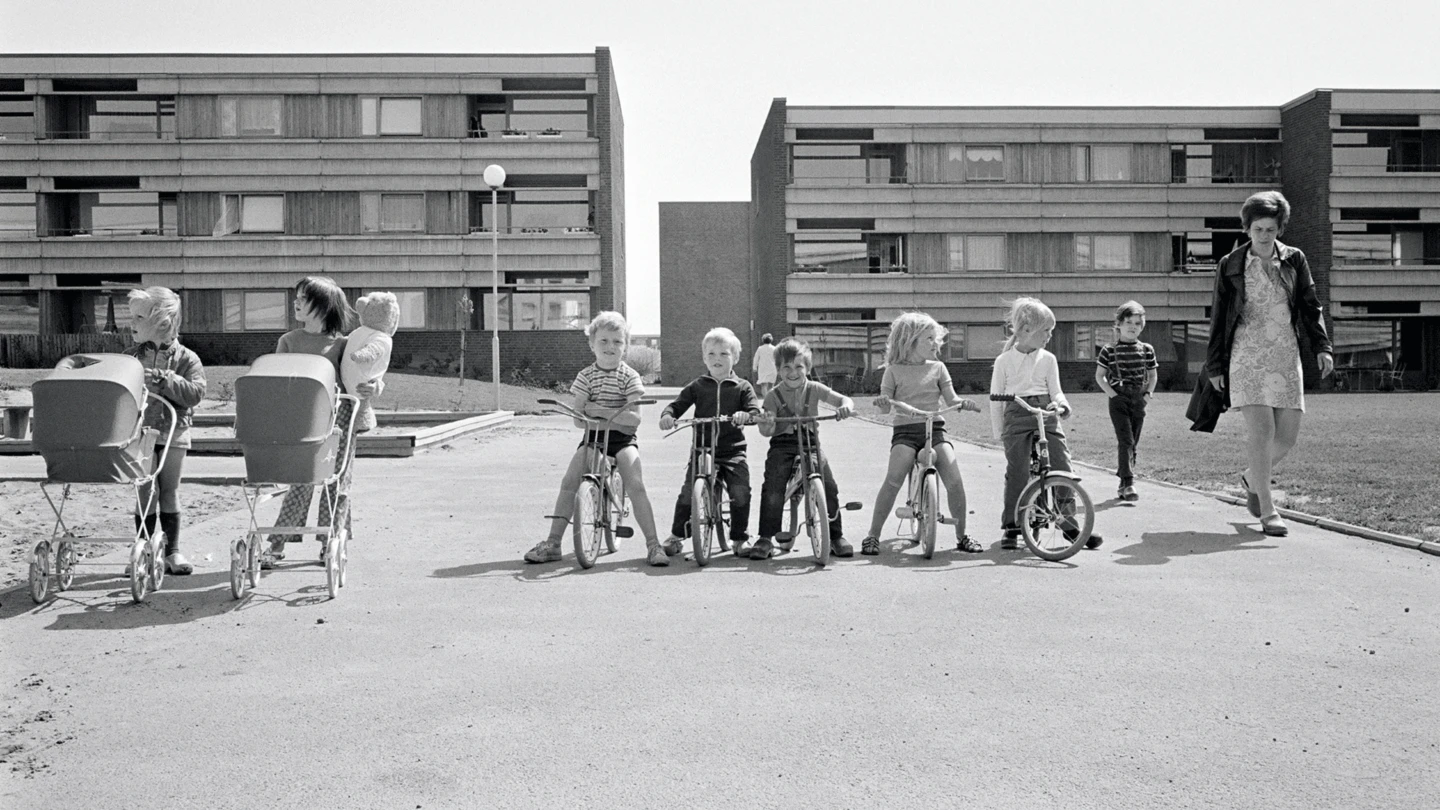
{"x": 697, "y": 77}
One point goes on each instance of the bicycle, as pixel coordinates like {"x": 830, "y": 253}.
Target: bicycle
{"x": 709, "y": 505}
{"x": 808, "y": 484}
{"x": 1046, "y": 511}
{"x": 600, "y": 508}
{"x": 922, "y": 505}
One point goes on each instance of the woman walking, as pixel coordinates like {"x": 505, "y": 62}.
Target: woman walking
{"x": 1264, "y": 297}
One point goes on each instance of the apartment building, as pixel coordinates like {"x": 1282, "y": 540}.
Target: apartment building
{"x": 230, "y": 177}
{"x": 860, "y": 213}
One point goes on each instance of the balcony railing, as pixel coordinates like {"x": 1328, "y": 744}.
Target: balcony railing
{"x": 88, "y": 135}
{"x": 1407, "y": 261}
{"x": 1413, "y": 167}
{"x": 849, "y": 180}
{"x": 845, "y": 271}
{"x": 539, "y": 230}
{"x": 107, "y": 232}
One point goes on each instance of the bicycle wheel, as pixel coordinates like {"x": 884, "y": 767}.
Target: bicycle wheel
{"x": 927, "y": 513}
{"x": 702, "y": 521}
{"x": 817, "y": 520}
{"x": 590, "y": 522}
{"x": 65, "y": 561}
{"x": 1055, "y": 515}
{"x": 617, "y": 510}
{"x": 238, "y": 575}
{"x": 40, "y": 572}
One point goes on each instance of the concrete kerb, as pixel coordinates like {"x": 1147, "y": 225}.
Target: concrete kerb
{"x": 1289, "y": 514}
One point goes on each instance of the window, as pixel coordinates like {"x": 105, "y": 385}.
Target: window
{"x": 249, "y": 310}
{"x": 250, "y": 116}
{"x": 551, "y": 117}
{"x": 985, "y": 341}
{"x": 111, "y": 311}
{"x": 846, "y": 164}
{"x": 412, "y": 308}
{"x": 985, "y": 163}
{"x": 831, "y": 253}
{"x": 533, "y": 210}
{"x": 1090, "y": 337}
{"x": 533, "y": 311}
{"x": 121, "y": 213}
{"x": 251, "y": 213}
{"x": 840, "y": 352}
{"x": 132, "y": 118}
{"x": 1225, "y": 163}
{"x": 20, "y": 313}
{"x": 387, "y": 213}
{"x": 1386, "y": 244}
{"x": 17, "y": 214}
{"x": 17, "y": 118}
{"x": 1102, "y": 251}
{"x": 383, "y": 115}
{"x": 1102, "y": 164}
{"x": 954, "y": 342}
{"x": 975, "y": 253}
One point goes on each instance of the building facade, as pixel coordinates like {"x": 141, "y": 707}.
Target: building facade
{"x": 861, "y": 213}
{"x": 704, "y": 283}
{"x": 230, "y": 177}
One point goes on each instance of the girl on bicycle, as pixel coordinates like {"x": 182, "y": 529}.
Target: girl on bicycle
{"x": 916, "y": 380}
{"x": 1029, "y": 372}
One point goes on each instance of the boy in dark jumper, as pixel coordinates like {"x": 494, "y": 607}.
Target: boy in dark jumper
{"x": 718, "y": 393}
{"x": 1127, "y": 371}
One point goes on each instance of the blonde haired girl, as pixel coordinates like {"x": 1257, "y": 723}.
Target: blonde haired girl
{"x": 915, "y": 380}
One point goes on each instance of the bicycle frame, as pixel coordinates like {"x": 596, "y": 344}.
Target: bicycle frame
{"x": 922, "y": 469}
{"x": 1052, "y": 500}
{"x": 703, "y": 467}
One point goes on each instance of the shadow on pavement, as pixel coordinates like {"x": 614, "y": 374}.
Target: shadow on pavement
{"x": 1158, "y": 548}
{"x": 102, "y": 602}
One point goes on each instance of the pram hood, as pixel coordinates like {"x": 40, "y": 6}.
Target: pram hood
{"x": 285, "y": 399}
{"x": 88, "y": 401}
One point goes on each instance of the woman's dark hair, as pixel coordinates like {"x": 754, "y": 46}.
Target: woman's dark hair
{"x": 326, "y": 300}
{"x": 1265, "y": 205}
{"x": 767, "y": 338}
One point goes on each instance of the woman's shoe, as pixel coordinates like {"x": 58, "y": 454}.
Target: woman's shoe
{"x": 1274, "y": 526}
{"x": 176, "y": 564}
{"x": 1252, "y": 501}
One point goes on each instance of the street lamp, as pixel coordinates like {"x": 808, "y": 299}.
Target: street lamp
{"x": 495, "y": 178}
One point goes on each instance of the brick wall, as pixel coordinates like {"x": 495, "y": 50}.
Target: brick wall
{"x": 770, "y": 244}
{"x": 610, "y": 201}
{"x": 1305, "y": 167}
{"x": 704, "y": 282}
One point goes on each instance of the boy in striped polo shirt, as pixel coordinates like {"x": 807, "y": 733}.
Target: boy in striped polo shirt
{"x": 605, "y": 389}
{"x": 1127, "y": 371}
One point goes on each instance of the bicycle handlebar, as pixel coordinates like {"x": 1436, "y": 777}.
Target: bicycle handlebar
{"x": 916, "y": 412}
{"x": 1022, "y": 403}
{"x": 594, "y": 420}
{"x": 826, "y": 417}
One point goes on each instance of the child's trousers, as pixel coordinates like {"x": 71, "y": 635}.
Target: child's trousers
{"x": 1127, "y": 414}
{"x": 1017, "y": 434}
{"x": 734, "y": 475}
{"x": 296, "y": 506}
{"x": 778, "y": 465}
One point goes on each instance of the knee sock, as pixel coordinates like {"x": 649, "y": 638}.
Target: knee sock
{"x": 170, "y": 524}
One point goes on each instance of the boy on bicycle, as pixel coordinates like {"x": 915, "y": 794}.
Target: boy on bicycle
{"x": 602, "y": 390}
{"x": 717, "y": 393}
{"x": 795, "y": 395}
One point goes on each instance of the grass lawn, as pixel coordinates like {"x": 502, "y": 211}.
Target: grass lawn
{"x": 403, "y": 392}
{"x": 1368, "y": 459}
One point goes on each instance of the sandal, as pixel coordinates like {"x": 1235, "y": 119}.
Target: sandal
{"x": 968, "y": 544}
{"x": 1273, "y": 526}
{"x": 1252, "y": 500}
{"x": 870, "y": 546}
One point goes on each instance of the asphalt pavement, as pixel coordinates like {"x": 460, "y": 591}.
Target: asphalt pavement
{"x": 1189, "y": 662}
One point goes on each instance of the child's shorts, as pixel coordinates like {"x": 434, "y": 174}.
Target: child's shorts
{"x": 913, "y": 436}
{"x": 619, "y": 440}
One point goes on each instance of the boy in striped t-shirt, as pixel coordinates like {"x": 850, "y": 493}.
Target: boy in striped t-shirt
{"x": 605, "y": 389}
{"x": 1127, "y": 371}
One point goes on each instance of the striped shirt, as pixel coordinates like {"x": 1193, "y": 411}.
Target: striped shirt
{"x": 608, "y": 388}
{"x": 1126, "y": 364}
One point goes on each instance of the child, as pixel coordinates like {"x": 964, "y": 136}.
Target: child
{"x": 719, "y": 393}
{"x": 916, "y": 380}
{"x": 1127, "y": 371}
{"x": 795, "y": 395}
{"x": 323, "y": 312}
{"x": 1026, "y": 370}
{"x": 605, "y": 389}
{"x": 174, "y": 372}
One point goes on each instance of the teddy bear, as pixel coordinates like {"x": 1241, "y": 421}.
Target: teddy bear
{"x": 367, "y": 349}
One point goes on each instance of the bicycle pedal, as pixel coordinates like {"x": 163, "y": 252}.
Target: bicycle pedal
{"x": 624, "y": 531}
{"x": 905, "y": 512}
{"x": 853, "y": 506}
{"x": 948, "y": 521}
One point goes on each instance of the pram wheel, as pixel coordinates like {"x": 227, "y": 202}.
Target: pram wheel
{"x": 40, "y": 572}
{"x": 333, "y": 565}
{"x": 238, "y": 575}
{"x": 140, "y": 570}
{"x": 157, "y": 562}
{"x": 65, "y": 564}
{"x": 252, "y": 565}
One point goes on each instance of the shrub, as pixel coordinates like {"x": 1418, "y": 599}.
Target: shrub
{"x": 644, "y": 360}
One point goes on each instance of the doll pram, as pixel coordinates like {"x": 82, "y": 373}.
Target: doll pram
{"x": 287, "y": 408}
{"x": 89, "y": 416}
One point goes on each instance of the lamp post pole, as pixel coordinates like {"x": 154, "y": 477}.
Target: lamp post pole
{"x": 495, "y": 178}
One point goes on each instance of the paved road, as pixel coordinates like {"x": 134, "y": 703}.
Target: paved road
{"x": 1191, "y": 662}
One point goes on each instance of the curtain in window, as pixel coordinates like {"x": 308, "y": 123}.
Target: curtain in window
{"x": 229, "y": 220}
{"x": 985, "y": 253}
{"x": 1110, "y": 163}
{"x": 1112, "y": 252}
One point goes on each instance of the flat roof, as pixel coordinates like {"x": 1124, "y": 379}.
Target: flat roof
{"x": 71, "y": 64}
